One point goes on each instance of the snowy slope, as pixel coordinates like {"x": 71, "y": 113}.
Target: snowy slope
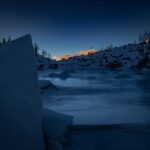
{"x": 127, "y": 56}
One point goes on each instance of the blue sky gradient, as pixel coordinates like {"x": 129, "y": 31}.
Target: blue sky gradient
{"x": 72, "y": 25}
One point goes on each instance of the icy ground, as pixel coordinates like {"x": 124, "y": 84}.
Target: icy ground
{"x": 103, "y": 97}
{"x": 117, "y": 137}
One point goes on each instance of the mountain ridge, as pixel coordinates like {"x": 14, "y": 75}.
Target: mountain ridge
{"x": 126, "y": 56}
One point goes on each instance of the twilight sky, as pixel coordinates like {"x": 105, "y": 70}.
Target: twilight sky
{"x": 68, "y": 26}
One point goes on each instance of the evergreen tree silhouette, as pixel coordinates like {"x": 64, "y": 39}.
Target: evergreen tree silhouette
{"x": 4, "y": 40}
{"x": 36, "y": 49}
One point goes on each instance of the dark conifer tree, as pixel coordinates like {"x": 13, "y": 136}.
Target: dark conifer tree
{"x": 36, "y": 49}
{"x": 4, "y": 40}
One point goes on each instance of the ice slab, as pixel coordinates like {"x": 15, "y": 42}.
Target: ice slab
{"x": 20, "y": 103}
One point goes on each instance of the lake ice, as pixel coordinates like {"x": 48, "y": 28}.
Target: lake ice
{"x": 103, "y": 97}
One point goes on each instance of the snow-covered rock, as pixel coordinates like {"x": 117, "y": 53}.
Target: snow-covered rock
{"x": 20, "y": 103}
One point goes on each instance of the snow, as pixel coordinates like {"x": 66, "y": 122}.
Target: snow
{"x": 127, "y": 56}
{"x": 98, "y": 102}
{"x": 20, "y": 103}
{"x": 25, "y": 124}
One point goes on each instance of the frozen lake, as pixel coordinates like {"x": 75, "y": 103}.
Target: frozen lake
{"x": 106, "y": 97}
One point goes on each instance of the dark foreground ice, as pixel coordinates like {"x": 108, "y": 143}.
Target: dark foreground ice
{"x": 103, "y": 97}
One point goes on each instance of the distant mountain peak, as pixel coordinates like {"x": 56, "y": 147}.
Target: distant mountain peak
{"x": 81, "y": 53}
